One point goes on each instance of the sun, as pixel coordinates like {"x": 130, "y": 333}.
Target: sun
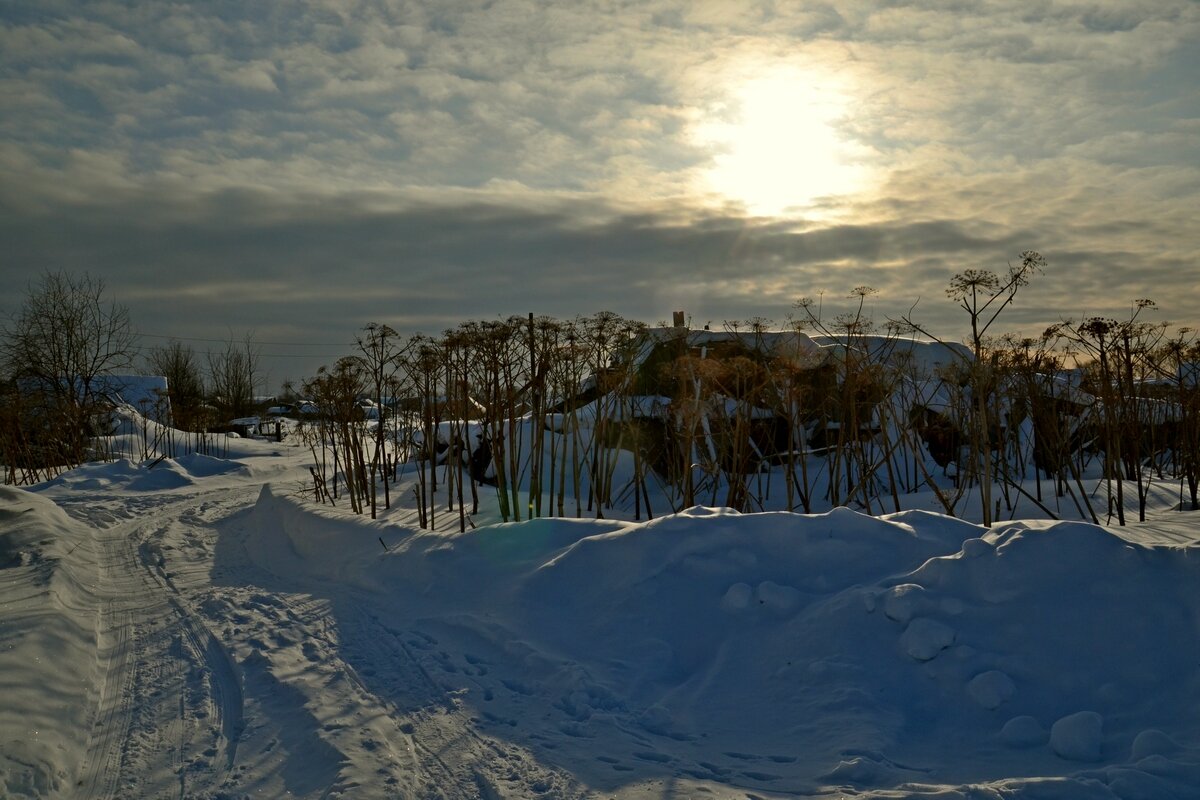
{"x": 778, "y": 145}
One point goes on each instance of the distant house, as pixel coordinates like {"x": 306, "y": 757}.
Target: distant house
{"x": 146, "y": 393}
{"x": 917, "y": 358}
{"x": 751, "y": 396}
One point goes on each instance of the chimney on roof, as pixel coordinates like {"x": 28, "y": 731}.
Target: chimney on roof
{"x": 677, "y": 319}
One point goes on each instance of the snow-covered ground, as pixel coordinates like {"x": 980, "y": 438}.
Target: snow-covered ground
{"x": 196, "y": 628}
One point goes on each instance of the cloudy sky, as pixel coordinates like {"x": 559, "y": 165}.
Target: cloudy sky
{"x": 299, "y": 169}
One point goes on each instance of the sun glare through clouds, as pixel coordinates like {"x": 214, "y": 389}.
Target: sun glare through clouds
{"x": 778, "y": 145}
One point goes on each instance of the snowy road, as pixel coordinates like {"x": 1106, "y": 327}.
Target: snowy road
{"x": 168, "y": 714}
{"x": 192, "y": 630}
{"x": 217, "y": 676}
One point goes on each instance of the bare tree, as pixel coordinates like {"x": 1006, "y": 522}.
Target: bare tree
{"x": 339, "y": 427}
{"x": 63, "y": 339}
{"x": 179, "y": 364}
{"x": 378, "y": 357}
{"x": 232, "y": 373}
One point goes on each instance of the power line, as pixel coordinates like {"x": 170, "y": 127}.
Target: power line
{"x": 252, "y": 341}
{"x": 144, "y": 350}
{"x": 260, "y": 355}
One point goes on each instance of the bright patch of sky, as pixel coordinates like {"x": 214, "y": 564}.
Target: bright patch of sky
{"x": 780, "y": 142}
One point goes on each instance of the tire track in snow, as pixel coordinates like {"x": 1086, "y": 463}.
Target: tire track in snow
{"x": 101, "y": 770}
{"x": 116, "y": 642}
{"x": 139, "y": 606}
{"x": 224, "y": 682}
{"x": 395, "y": 711}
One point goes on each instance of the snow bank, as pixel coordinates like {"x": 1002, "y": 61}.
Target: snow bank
{"x": 788, "y": 653}
{"x": 48, "y": 646}
{"x": 703, "y": 653}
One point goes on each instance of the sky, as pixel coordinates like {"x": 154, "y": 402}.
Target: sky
{"x": 297, "y": 170}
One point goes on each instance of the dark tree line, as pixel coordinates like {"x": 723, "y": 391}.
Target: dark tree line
{"x": 582, "y": 416}
{"x": 58, "y": 349}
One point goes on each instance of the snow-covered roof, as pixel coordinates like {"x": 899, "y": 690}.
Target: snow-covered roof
{"x": 146, "y": 393}
{"x": 919, "y": 357}
{"x": 136, "y": 390}
{"x": 1065, "y": 385}
{"x": 791, "y": 345}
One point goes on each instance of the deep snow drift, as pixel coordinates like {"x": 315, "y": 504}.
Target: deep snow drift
{"x": 195, "y": 630}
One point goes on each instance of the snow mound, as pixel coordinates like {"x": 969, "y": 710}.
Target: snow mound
{"x": 156, "y": 475}
{"x": 145, "y": 476}
{"x": 47, "y": 646}
{"x": 201, "y": 466}
{"x": 793, "y": 653}
{"x": 706, "y": 653}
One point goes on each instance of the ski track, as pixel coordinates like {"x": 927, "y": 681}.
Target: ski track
{"x": 168, "y": 712}
{"x": 216, "y": 676}
{"x": 111, "y": 718}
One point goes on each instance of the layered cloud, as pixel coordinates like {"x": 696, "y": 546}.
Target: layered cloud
{"x": 421, "y": 164}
